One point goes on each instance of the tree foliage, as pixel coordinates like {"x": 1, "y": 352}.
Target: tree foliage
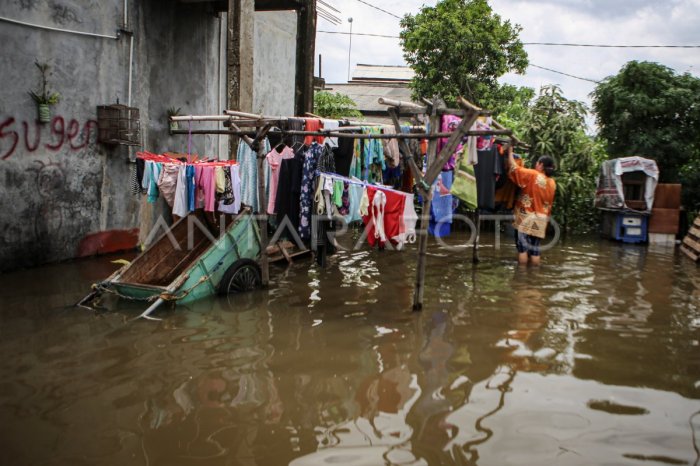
{"x": 461, "y": 47}
{"x": 649, "y": 110}
{"x": 330, "y": 105}
{"x": 556, "y": 126}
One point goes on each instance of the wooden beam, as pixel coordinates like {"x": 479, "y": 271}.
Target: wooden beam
{"x": 340, "y": 133}
{"x": 262, "y": 204}
{"x": 233, "y": 63}
{"x": 455, "y": 138}
{"x": 408, "y": 154}
{"x": 425, "y": 216}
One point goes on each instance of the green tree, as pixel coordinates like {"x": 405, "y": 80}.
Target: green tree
{"x": 649, "y": 110}
{"x": 330, "y": 105}
{"x": 461, "y": 47}
{"x": 556, "y": 126}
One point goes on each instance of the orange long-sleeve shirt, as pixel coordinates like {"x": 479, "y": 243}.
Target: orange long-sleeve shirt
{"x": 534, "y": 204}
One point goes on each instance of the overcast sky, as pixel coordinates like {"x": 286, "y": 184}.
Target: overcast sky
{"x": 632, "y": 22}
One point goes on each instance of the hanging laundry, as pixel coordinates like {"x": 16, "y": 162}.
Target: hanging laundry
{"x": 343, "y": 154}
{"x": 373, "y": 216}
{"x": 313, "y": 124}
{"x": 356, "y": 163}
{"x": 331, "y": 142}
{"x": 355, "y": 196}
{"x": 234, "y": 206}
{"x": 137, "y": 180}
{"x": 287, "y": 199}
{"x": 247, "y": 160}
{"x": 407, "y": 233}
{"x": 180, "y": 202}
{"x": 441, "y": 206}
{"x": 344, "y": 207}
{"x": 373, "y": 163}
{"x": 274, "y": 161}
{"x": 154, "y": 175}
{"x": 294, "y": 124}
{"x": 506, "y": 193}
{"x": 206, "y": 187}
{"x": 464, "y": 185}
{"x": 449, "y": 124}
{"x": 311, "y": 156}
{"x": 338, "y": 189}
{"x": 391, "y": 148}
{"x": 326, "y": 162}
{"x": 227, "y": 197}
{"x": 394, "y": 225}
{"x": 191, "y": 188}
{"x": 485, "y": 171}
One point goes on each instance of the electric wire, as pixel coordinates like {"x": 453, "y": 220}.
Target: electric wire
{"x": 559, "y": 44}
{"x": 380, "y": 9}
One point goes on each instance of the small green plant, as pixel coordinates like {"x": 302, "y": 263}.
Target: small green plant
{"x": 172, "y": 111}
{"x": 44, "y": 96}
{"x": 330, "y": 105}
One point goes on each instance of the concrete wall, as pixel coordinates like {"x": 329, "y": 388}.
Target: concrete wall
{"x": 64, "y": 194}
{"x": 274, "y": 62}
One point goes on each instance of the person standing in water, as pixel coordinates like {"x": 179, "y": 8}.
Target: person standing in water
{"x": 533, "y": 206}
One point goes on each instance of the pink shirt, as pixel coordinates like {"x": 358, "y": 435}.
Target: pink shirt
{"x": 206, "y": 187}
{"x": 274, "y": 160}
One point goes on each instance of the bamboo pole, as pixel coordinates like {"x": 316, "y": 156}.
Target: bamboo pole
{"x": 425, "y": 216}
{"x": 262, "y": 204}
{"x": 408, "y": 155}
{"x": 335, "y": 133}
{"x": 410, "y": 108}
{"x": 200, "y": 118}
{"x": 456, "y": 136}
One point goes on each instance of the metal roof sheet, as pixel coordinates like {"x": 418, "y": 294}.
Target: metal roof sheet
{"x": 366, "y": 95}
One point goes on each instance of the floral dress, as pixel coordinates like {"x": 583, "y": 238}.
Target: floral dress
{"x": 311, "y": 157}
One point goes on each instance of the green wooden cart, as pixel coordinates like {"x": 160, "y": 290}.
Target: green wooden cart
{"x": 190, "y": 261}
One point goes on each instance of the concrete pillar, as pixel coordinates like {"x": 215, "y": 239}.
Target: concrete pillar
{"x": 306, "y": 38}
{"x": 239, "y": 54}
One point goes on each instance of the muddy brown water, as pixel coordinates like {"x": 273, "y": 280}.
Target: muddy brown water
{"x": 594, "y": 358}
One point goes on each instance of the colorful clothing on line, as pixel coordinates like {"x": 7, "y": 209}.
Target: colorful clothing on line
{"x": 313, "y": 124}
{"x": 311, "y": 156}
{"x": 274, "y": 161}
{"x": 191, "y": 188}
{"x": 206, "y": 187}
{"x": 154, "y": 175}
{"x": 391, "y": 149}
{"x": 180, "y": 201}
{"x": 235, "y": 206}
{"x": 248, "y": 162}
{"x": 331, "y": 142}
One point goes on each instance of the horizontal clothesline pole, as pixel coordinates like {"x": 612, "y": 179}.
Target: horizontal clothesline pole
{"x": 334, "y": 134}
{"x": 245, "y": 122}
{"x": 410, "y": 108}
{"x": 253, "y": 116}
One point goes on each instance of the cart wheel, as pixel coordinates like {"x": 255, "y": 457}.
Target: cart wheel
{"x": 243, "y": 275}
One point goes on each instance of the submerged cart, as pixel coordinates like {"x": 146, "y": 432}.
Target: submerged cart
{"x": 190, "y": 261}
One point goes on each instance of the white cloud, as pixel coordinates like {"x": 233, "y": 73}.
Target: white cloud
{"x": 575, "y": 21}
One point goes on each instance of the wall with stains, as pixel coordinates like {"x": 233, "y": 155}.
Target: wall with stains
{"x": 64, "y": 194}
{"x": 274, "y": 62}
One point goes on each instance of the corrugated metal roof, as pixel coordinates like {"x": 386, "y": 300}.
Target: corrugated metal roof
{"x": 366, "y": 95}
{"x": 382, "y": 73}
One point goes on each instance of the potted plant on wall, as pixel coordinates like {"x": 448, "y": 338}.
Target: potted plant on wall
{"x": 44, "y": 98}
{"x": 172, "y": 111}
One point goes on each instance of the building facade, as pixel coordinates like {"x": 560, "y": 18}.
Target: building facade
{"x": 68, "y": 195}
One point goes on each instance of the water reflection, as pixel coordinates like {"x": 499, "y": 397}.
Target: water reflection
{"x": 593, "y": 358}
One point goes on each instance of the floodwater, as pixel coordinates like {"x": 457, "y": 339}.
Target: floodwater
{"x": 594, "y": 358}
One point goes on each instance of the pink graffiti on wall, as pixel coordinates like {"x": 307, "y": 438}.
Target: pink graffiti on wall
{"x": 60, "y": 135}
